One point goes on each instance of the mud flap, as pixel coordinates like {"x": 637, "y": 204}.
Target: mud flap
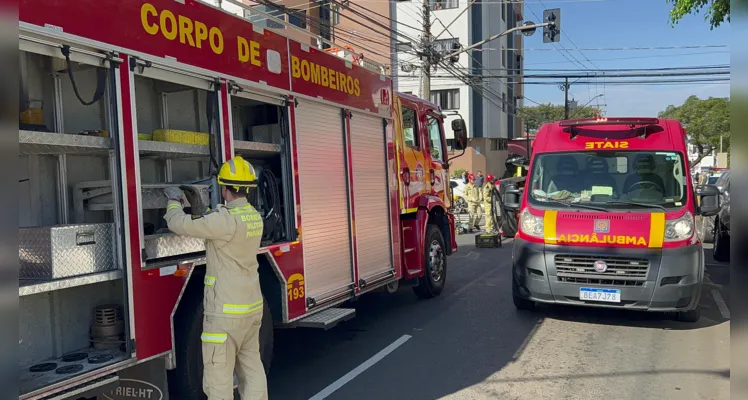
{"x": 146, "y": 381}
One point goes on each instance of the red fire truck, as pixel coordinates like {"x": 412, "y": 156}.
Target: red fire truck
{"x": 123, "y": 99}
{"x": 607, "y": 218}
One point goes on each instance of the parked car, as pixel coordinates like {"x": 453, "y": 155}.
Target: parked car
{"x": 706, "y": 229}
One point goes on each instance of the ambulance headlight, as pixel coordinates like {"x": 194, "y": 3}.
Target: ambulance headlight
{"x": 531, "y": 224}
{"x": 679, "y": 229}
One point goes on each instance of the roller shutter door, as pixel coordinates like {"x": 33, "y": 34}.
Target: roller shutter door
{"x": 325, "y": 228}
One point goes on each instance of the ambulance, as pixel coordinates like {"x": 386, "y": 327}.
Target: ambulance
{"x": 607, "y": 218}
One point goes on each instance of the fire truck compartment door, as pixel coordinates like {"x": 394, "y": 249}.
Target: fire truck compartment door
{"x": 325, "y": 227}
{"x": 370, "y": 194}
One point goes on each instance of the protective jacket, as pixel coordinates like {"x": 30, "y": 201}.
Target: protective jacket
{"x": 473, "y": 193}
{"x": 233, "y": 233}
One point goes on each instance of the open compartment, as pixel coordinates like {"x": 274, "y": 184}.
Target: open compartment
{"x": 69, "y": 257}
{"x": 260, "y": 127}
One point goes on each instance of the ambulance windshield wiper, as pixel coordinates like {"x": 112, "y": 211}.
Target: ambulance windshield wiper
{"x": 633, "y": 203}
{"x": 579, "y": 205}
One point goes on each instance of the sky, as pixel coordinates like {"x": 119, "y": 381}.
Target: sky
{"x": 623, "y": 23}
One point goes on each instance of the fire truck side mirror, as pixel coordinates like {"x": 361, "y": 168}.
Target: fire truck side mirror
{"x": 460, "y": 133}
{"x": 511, "y": 196}
{"x": 709, "y": 200}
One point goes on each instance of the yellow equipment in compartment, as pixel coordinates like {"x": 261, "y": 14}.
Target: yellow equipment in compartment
{"x": 185, "y": 137}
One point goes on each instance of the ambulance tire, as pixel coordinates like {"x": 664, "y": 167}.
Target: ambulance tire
{"x": 430, "y": 286}
{"x": 186, "y": 381}
{"x": 520, "y": 303}
{"x": 689, "y": 316}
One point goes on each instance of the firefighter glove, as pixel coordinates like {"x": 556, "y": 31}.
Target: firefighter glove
{"x": 193, "y": 197}
{"x": 174, "y": 193}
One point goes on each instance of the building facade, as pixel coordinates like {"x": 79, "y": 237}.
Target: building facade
{"x": 489, "y": 105}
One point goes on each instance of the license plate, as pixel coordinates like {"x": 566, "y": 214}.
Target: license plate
{"x": 604, "y": 295}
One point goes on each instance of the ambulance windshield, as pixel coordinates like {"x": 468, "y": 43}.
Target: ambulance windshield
{"x": 610, "y": 179}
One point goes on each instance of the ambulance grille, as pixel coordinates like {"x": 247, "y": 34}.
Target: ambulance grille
{"x": 621, "y": 271}
{"x": 586, "y": 216}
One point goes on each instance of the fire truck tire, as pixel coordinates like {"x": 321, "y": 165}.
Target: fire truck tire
{"x": 432, "y": 282}
{"x": 185, "y": 382}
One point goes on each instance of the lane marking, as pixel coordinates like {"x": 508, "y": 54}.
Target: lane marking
{"x": 361, "y": 368}
{"x": 473, "y": 255}
{"x": 721, "y": 305}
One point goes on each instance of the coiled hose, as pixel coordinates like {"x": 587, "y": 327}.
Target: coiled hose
{"x": 273, "y": 223}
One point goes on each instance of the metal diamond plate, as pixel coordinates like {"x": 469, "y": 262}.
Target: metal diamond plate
{"x": 31, "y": 142}
{"x": 152, "y": 195}
{"x": 29, "y": 287}
{"x": 256, "y": 149}
{"x": 61, "y": 251}
{"x": 170, "y": 245}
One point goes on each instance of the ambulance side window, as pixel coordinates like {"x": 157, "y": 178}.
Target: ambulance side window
{"x": 410, "y": 127}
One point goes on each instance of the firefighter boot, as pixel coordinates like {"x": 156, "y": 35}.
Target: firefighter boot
{"x": 229, "y": 343}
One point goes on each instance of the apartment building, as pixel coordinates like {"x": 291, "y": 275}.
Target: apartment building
{"x": 489, "y": 105}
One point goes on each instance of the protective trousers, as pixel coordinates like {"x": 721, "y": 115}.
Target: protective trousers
{"x": 489, "y": 217}
{"x": 233, "y": 344}
{"x": 474, "y": 211}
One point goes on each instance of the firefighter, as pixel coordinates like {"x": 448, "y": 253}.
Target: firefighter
{"x": 233, "y": 301}
{"x": 474, "y": 197}
{"x": 487, "y": 205}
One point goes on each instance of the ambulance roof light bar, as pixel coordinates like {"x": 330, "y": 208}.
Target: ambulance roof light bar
{"x": 610, "y": 121}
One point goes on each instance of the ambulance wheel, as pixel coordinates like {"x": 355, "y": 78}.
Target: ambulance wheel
{"x": 431, "y": 283}
{"x": 689, "y": 316}
{"x": 186, "y": 380}
{"x": 520, "y": 303}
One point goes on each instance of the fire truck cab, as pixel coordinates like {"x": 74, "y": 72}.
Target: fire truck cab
{"x": 607, "y": 218}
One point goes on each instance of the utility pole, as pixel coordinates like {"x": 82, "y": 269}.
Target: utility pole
{"x": 566, "y": 98}
{"x": 427, "y": 48}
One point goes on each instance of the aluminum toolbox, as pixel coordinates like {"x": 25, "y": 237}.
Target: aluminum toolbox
{"x": 62, "y": 251}
{"x": 170, "y": 245}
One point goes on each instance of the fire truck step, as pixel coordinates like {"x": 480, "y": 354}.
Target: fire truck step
{"x": 328, "y": 318}
{"x": 88, "y": 389}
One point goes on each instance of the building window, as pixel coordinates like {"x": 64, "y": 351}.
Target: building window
{"x": 519, "y": 63}
{"x": 503, "y": 102}
{"x": 503, "y": 56}
{"x": 404, "y": 47}
{"x": 446, "y": 99}
{"x": 450, "y": 145}
{"x": 437, "y": 5}
{"x": 503, "y": 11}
{"x": 298, "y": 18}
{"x": 410, "y": 127}
{"x": 336, "y": 15}
{"x": 262, "y": 21}
{"x": 494, "y": 145}
{"x": 446, "y": 46}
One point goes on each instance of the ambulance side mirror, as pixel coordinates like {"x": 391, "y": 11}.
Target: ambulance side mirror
{"x": 512, "y": 196}
{"x": 460, "y": 133}
{"x": 708, "y": 200}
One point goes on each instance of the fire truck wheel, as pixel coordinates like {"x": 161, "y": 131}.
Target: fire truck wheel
{"x": 431, "y": 283}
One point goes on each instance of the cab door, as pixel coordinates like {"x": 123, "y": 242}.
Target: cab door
{"x": 437, "y": 158}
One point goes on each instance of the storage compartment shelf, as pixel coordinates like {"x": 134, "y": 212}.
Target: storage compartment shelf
{"x": 171, "y": 150}
{"x": 97, "y": 196}
{"x": 94, "y": 359}
{"x": 27, "y": 287}
{"x": 256, "y": 149}
{"x": 31, "y": 142}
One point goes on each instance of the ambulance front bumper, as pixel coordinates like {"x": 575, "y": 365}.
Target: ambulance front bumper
{"x": 662, "y": 280}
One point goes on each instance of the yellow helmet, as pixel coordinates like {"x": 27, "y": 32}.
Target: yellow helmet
{"x": 237, "y": 172}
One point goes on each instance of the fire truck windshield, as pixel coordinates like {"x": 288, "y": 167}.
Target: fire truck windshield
{"x": 609, "y": 179}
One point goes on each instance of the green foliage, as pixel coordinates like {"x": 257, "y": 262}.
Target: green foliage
{"x": 458, "y": 172}
{"x": 716, "y": 11}
{"x": 536, "y": 116}
{"x": 705, "y": 122}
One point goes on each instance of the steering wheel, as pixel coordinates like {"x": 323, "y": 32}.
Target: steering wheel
{"x": 649, "y": 184}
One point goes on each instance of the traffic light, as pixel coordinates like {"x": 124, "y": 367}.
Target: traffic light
{"x": 552, "y": 33}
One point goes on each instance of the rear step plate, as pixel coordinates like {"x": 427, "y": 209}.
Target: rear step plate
{"x": 327, "y": 319}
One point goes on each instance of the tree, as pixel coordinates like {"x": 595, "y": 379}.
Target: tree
{"x": 705, "y": 121}
{"x": 536, "y": 116}
{"x": 717, "y": 11}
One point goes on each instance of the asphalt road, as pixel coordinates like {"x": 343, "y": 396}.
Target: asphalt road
{"x": 470, "y": 343}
